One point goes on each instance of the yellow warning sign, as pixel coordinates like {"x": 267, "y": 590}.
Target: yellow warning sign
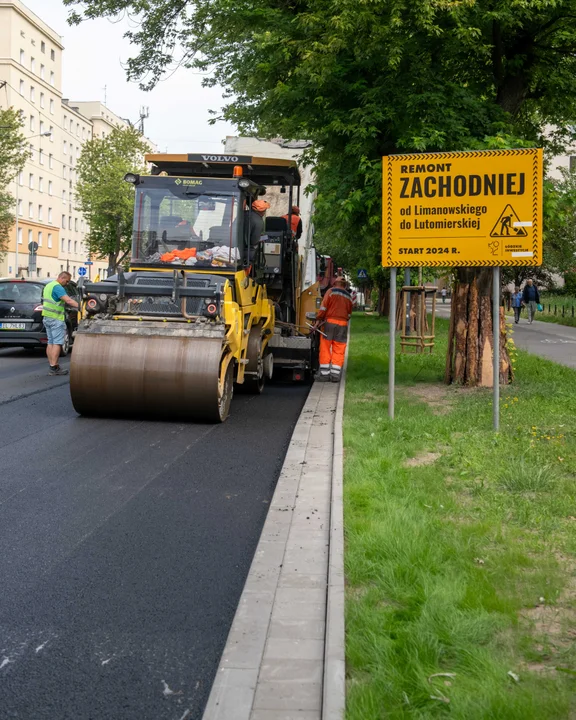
{"x": 458, "y": 209}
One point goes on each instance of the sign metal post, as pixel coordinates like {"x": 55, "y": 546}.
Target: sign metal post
{"x": 392, "y": 350}
{"x": 496, "y": 351}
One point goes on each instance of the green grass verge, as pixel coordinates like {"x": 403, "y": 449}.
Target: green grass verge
{"x": 554, "y": 306}
{"x": 460, "y": 544}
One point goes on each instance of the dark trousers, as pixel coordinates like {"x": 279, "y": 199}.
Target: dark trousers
{"x": 517, "y": 314}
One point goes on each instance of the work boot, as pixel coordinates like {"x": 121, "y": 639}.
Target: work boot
{"x": 57, "y": 370}
{"x": 321, "y": 378}
{"x": 335, "y": 378}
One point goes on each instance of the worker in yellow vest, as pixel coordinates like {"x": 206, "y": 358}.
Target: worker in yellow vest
{"x": 54, "y": 301}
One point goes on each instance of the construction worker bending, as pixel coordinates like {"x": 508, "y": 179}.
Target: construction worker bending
{"x": 333, "y": 318}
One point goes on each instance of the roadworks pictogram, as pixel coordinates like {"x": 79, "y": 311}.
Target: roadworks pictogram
{"x": 505, "y": 225}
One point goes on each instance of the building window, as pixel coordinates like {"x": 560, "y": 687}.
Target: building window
{"x": 41, "y": 156}
{"x": 52, "y": 55}
{"x": 32, "y": 152}
{"x": 43, "y": 46}
{"x": 52, "y": 107}
{"x": 21, "y": 87}
{"x": 19, "y": 236}
{"x": 75, "y": 246}
{"x": 42, "y": 104}
{"x": 51, "y": 133}
{"x": 76, "y": 224}
{"x": 64, "y": 222}
{"x": 50, "y": 187}
{"x": 65, "y": 148}
{"x": 22, "y": 57}
{"x": 50, "y": 161}
{"x": 30, "y": 236}
{"x": 40, "y": 212}
{"x": 41, "y": 126}
{"x": 32, "y": 123}
{"x": 30, "y": 210}
{"x": 71, "y": 126}
{"x": 20, "y": 210}
{"x": 32, "y": 64}
{"x": 62, "y": 244}
{"x": 52, "y": 78}
{"x": 21, "y": 178}
{"x": 40, "y": 184}
{"x": 69, "y": 245}
{"x": 31, "y": 181}
{"x": 63, "y": 195}
{"x": 49, "y": 215}
{"x": 42, "y": 72}
{"x": 32, "y": 93}
{"x": 65, "y": 122}
{"x": 64, "y": 172}
{"x": 69, "y": 223}
{"x": 40, "y": 239}
{"x": 77, "y": 129}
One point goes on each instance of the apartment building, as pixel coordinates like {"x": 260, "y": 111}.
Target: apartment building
{"x": 31, "y": 56}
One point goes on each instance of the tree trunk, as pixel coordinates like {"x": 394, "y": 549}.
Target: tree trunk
{"x": 113, "y": 257}
{"x": 470, "y": 342}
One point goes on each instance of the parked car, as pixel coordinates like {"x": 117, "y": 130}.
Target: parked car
{"x": 21, "y": 314}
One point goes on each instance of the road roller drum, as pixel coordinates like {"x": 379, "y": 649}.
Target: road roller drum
{"x": 127, "y": 368}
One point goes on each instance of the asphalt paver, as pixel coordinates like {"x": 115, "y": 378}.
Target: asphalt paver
{"x": 124, "y": 547}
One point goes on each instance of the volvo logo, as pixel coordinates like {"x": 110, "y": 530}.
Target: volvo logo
{"x": 220, "y": 158}
{"x": 12, "y": 309}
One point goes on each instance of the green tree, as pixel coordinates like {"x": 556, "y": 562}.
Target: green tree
{"x": 13, "y": 156}
{"x": 106, "y": 201}
{"x": 364, "y": 80}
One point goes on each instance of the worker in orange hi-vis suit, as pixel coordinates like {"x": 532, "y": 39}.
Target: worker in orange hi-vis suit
{"x": 333, "y": 316}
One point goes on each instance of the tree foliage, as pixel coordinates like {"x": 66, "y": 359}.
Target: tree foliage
{"x": 13, "y": 156}
{"x": 106, "y": 201}
{"x": 363, "y": 80}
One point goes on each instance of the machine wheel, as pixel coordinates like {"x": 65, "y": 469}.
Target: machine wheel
{"x": 65, "y": 347}
{"x": 225, "y": 397}
{"x": 254, "y": 384}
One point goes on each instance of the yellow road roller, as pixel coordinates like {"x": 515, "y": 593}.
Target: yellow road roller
{"x": 212, "y": 300}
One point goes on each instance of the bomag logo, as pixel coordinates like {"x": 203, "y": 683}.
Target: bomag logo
{"x": 179, "y": 181}
{"x": 220, "y": 158}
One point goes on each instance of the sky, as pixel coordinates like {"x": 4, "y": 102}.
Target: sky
{"x": 93, "y": 56}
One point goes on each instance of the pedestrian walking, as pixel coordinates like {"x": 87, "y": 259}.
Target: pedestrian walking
{"x": 517, "y": 303}
{"x": 443, "y": 295}
{"x": 334, "y": 315}
{"x": 54, "y": 301}
{"x": 531, "y": 298}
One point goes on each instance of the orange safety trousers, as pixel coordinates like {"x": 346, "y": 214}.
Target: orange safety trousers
{"x": 333, "y": 347}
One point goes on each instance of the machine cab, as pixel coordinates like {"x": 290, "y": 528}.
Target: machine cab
{"x": 189, "y": 222}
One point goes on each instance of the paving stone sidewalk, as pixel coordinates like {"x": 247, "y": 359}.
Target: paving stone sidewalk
{"x": 273, "y": 665}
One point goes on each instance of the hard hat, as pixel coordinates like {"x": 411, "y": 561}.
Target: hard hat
{"x": 260, "y": 205}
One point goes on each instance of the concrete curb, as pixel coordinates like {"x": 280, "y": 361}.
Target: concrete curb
{"x": 272, "y": 667}
{"x": 334, "y": 690}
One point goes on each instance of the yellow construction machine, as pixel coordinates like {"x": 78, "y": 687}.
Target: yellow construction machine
{"x": 205, "y": 307}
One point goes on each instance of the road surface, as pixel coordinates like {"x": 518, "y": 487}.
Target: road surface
{"x": 124, "y": 546}
{"x": 549, "y": 340}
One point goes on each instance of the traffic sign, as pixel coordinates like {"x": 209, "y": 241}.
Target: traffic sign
{"x": 462, "y": 209}
{"x": 362, "y": 274}
{"x": 33, "y": 247}
{"x": 88, "y": 262}
{"x": 82, "y": 271}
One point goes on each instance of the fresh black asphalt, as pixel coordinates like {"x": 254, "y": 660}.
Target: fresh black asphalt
{"x": 124, "y": 547}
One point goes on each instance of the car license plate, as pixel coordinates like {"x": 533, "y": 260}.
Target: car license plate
{"x": 12, "y": 326}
